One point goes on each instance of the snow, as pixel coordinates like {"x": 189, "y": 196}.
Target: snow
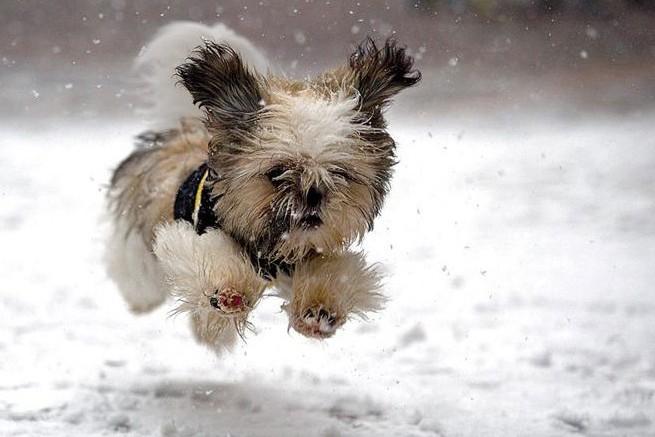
{"x": 519, "y": 259}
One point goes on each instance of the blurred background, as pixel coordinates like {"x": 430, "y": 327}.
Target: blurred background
{"x": 74, "y": 57}
{"x": 518, "y": 236}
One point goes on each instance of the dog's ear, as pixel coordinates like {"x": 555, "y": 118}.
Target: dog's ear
{"x": 223, "y": 86}
{"x": 379, "y": 73}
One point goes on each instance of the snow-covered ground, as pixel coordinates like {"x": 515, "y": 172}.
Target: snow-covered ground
{"x": 520, "y": 256}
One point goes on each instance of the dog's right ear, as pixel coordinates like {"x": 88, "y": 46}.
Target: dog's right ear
{"x": 222, "y": 85}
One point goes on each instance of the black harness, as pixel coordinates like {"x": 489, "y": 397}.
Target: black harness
{"x": 195, "y": 204}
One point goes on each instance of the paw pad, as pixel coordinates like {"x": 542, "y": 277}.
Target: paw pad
{"x": 316, "y": 322}
{"x": 229, "y": 301}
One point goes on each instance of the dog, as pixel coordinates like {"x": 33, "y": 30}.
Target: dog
{"x": 252, "y": 180}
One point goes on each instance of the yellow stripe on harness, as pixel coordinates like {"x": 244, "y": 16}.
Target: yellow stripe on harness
{"x": 198, "y": 198}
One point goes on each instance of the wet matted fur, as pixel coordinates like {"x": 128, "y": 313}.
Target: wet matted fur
{"x": 298, "y": 172}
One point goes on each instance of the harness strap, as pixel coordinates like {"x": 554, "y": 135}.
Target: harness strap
{"x": 198, "y": 198}
{"x": 193, "y": 202}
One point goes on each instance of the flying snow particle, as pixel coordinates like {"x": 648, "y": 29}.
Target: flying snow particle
{"x": 453, "y": 61}
{"x": 36, "y": 94}
{"x": 354, "y": 30}
{"x": 584, "y": 54}
{"x": 68, "y": 86}
{"x": 300, "y": 37}
{"x": 96, "y": 42}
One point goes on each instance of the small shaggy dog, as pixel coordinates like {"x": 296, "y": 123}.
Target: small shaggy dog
{"x": 268, "y": 186}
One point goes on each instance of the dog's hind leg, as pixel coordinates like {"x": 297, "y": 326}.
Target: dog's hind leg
{"x": 211, "y": 279}
{"x": 134, "y": 268}
{"x": 325, "y": 291}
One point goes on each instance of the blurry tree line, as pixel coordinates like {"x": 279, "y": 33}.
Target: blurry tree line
{"x": 530, "y": 8}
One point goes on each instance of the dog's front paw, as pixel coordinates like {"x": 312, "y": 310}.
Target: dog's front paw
{"x": 327, "y": 290}
{"x": 316, "y": 322}
{"x": 229, "y": 301}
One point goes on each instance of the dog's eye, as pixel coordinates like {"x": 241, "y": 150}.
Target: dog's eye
{"x": 274, "y": 174}
{"x": 343, "y": 174}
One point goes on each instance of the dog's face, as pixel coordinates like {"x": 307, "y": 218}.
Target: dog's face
{"x": 299, "y": 167}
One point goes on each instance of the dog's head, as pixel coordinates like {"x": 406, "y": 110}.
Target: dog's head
{"x": 301, "y": 166}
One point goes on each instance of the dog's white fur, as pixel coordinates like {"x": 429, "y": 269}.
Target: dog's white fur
{"x": 134, "y": 269}
{"x": 196, "y": 265}
{"x": 187, "y": 267}
{"x": 168, "y": 102}
{"x": 305, "y": 124}
{"x": 193, "y": 263}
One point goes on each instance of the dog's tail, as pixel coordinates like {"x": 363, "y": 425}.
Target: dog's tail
{"x": 167, "y": 101}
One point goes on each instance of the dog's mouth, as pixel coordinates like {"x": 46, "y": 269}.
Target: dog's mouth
{"x": 311, "y": 221}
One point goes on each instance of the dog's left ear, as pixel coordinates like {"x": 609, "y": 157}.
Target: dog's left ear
{"x": 378, "y": 74}
{"x": 222, "y": 85}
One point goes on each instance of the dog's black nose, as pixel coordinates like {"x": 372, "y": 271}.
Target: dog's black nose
{"x": 314, "y": 197}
